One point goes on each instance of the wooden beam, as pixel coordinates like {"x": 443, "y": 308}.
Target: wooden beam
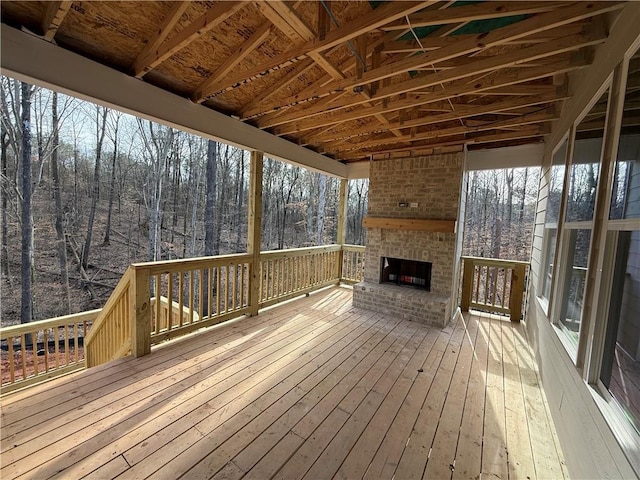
{"x": 248, "y": 46}
{"x": 380, "y": 16}
{"x": 201, "y": 25}
{"x": 254, "y": 230}
{"x": 418, "y": 224}
{"x": 433, "y": 43}
{"x": 165, "y": 28}
{"x": 285, "y": 18}
{"x": 528, "y": 119}
{"x": 454, "y": 90}
{"x": 535, "y": 24}
{"x": 413, "y": 150}
{"x": 473, "y": 67}
{"x": 469, "y": 13}
{"x": 461, "y": 111}
{"x": 53, "y": 17}
{"x": 300, "y": 69}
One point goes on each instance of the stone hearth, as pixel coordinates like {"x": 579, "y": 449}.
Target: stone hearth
{"x": 434, "y": 183}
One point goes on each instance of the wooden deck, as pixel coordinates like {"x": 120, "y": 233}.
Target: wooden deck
{"x": 311, "y": 389}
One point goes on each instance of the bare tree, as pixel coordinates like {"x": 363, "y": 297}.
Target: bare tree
{"x": 112, "y": 184}
{"x": 101, "y": 127}
{"x": 60, "y": 237}
{"x": 26, "y": 310}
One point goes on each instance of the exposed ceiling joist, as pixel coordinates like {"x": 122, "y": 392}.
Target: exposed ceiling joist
{"x": 378, "y": 17}
{"x": 254, "y": 41}
{"x": 456, "y": 89}
{"x": 160, "y": 34}
{"x": 477, "y": 11}
{"x": 536, "y": 24}
{"x": 201, "y": 25}
{"x": 56, "y": 11}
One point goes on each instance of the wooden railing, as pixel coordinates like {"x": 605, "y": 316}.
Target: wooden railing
{"x": 202, "y": 292}
{"x": 110, "y": 335}
{"x": 493, "y": 285}
{"x": 285, "y": 274}
{"x": 158, "y": 301}
{"x": 38, "y": 351}
{"x": 352, "y": 263}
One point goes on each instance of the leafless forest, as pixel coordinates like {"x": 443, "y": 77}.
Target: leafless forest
{"x": 104, "y": 189}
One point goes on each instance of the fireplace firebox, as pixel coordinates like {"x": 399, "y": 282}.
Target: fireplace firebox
{"x": 405, "y": 272}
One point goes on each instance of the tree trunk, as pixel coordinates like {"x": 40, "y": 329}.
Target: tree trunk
{"x": 322, "y": 201}
{"x": 112, "y": 184}
{"x": 62, "y": 246}
{"x": 4, "y": 258}
{"x": 100, "y": 131}
{"x": 26, "y": 310}
{"x": 210, "y": 198}
{"x": 239, "y": 215}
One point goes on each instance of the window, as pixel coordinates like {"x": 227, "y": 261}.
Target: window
{"x": 577, "y": 228}
{"x": 619, "y": 374}
{"x": 554, "y": 199}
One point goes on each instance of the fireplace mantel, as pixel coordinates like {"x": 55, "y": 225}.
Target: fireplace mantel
{"x": 419, "y": 224}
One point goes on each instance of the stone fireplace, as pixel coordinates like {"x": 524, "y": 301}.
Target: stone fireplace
{"x": 414, "y": 205}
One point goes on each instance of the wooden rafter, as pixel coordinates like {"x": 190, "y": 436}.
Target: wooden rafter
{"x": 285, "y": 18}
{"x": 527, "y": 132}
{"x": 473, "y": 67}
{"x": 201, "y": 25}
{"x": 165, "y": 28}
{"x": 497, "y": 37}
{"x": 462, "y": 111}
{"x": 433, "y": 43}
{"x": 54, "y": 15}
{"x": 378, "y": 17}
{"x": 479, "y": 11}
{"x": 540, "y": 117}
{"x": 453, "y": 90}
{"x": 300, "y": 69}
{"x": 254, "y": 41}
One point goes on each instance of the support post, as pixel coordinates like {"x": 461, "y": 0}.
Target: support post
{"x": 342, "y": 220}
{"x": 254, "y": 237}
{"x": 140, "y": 312}
{"x": 517, "y": 292}
{"x": 467, "y": 284}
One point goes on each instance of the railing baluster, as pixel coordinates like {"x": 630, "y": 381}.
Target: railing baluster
{"x": 218, "y": 285}
{"x": 169, "y": 315}
{"x": 191, "y": 295}
{"x": 180, "y": 298}
{"x": 12, "y": 374}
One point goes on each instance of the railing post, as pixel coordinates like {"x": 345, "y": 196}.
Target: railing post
{"x": 517, "y": 292}
{"x": 467, "y": 284}
{"x": 254, "y": 230}
{"x": 140, "y": 311}
{"x": 342, "y": 219}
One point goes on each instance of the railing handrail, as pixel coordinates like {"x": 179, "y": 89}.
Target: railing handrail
{"x": 291, "y": 252}
{"x": 182, "y": 265}
{"x": 486, "y": 260}
{"x": 348, "y": 246}
{"x": 25, "y": 328}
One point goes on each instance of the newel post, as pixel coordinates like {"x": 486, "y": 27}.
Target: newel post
{"x": 342, "y": 221}
{"x": 140, "y": 311}
{"x": 467, "y": 284}
{"x": 517, "y": 292}
{"x": 254, "y": 237}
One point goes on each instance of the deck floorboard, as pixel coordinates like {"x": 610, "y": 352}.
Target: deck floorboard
{"x": 311, "y": 389}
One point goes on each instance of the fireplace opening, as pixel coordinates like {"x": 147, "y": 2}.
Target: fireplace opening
{"x": 405, "y": 272}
